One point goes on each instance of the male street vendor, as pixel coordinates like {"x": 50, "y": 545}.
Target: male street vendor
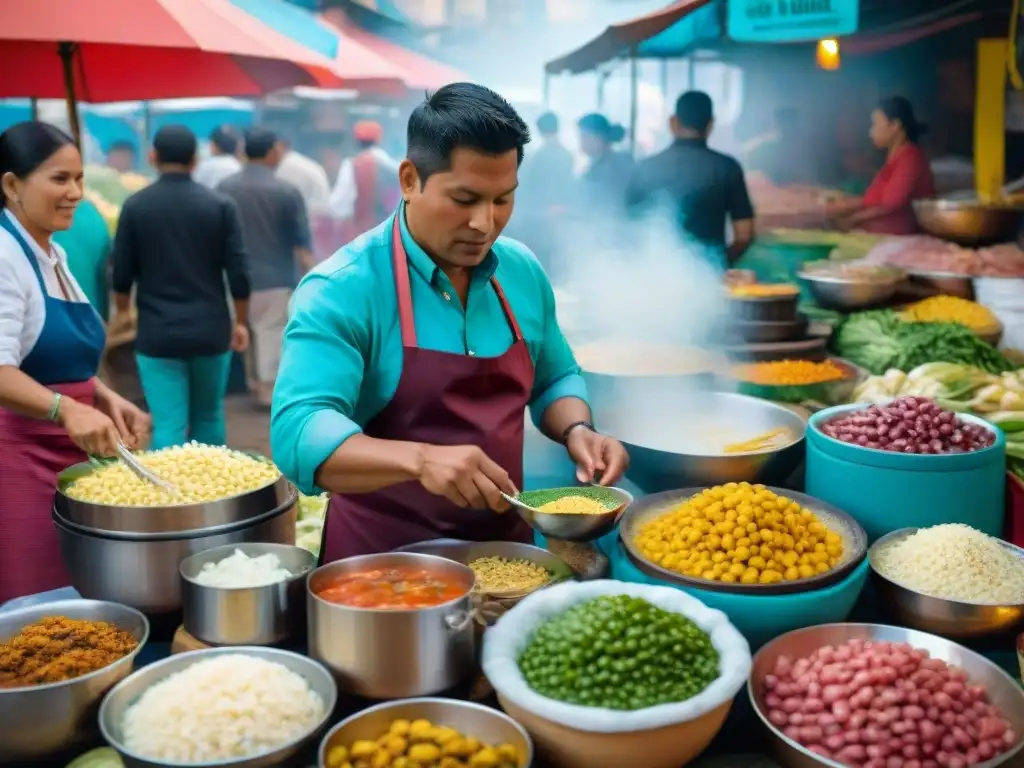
{"x": 412, "y": 353}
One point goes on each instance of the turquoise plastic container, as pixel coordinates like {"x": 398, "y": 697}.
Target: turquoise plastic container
{"x": 887, "y": 491}
{"x": 761, "y": 618}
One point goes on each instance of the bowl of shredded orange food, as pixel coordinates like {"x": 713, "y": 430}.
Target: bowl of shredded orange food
{"x": 829, "y": 381}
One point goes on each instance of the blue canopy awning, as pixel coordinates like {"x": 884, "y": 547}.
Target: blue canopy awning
{"x": 667, "y": 33}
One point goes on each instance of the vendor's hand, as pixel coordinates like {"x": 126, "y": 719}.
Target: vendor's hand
{"x": 239, "y": 338}
{"x": 465, "y": 475}
{"x": 133, "y": 424}
{"x": 596, "y": 454}
{"x": 91, "y": 430}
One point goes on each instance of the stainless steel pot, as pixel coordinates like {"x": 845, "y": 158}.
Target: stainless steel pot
{"x": 393, "y": 654}
{"x": 103, "y": 518}
{"x": 262, "y": 615}
{"x": 41, "y": 720}
{"x": 142, "y": 570}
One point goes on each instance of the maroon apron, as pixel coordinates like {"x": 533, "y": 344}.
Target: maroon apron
{"x": 441, "y": 399}
{"x": 30, "y": 560}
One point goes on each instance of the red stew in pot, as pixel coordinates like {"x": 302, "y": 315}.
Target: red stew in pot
{"x": 395, "y": 588}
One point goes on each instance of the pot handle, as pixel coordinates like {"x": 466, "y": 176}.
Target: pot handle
{"x": 459, "y": 620}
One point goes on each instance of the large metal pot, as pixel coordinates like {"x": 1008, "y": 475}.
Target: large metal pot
{"x": 39, "y": 721}
{"x": 141, "y": 569}
{"x": 104, "y": 518}
{"x": 393, "y": 654}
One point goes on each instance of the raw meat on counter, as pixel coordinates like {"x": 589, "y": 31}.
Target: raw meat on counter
{"x": 921, "y": 253}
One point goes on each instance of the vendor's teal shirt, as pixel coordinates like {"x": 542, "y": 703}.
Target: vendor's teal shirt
{"x": 342, "y": 353}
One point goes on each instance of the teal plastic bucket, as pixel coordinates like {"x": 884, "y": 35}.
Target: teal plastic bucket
{"x": 886, "y": 491}
{"x": 761, "y": 618}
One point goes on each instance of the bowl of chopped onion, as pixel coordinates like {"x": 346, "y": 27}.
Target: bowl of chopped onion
{"x": 245, "y": 594}
{"x": 951, "y": 580}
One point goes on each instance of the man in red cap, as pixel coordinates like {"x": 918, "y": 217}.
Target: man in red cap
{"x": 367, "y": 189}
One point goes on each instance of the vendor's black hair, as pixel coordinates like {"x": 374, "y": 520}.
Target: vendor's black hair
{"x": 175, "y": 145}
{"x": 547, "y": 124}
{"x": 26, "y": 146}
{"x": 900, "y": 108}
{"x": 602, "y": 127}
{"x": 462, "y": 115}
{"x": 694, "y": 110}
{"x": 225, "y": 138}
{"x": 259, "y": 142}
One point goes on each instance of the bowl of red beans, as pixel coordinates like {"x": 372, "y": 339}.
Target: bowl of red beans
{"x": 910, "y": 425}
{"x": 875, "y": 696}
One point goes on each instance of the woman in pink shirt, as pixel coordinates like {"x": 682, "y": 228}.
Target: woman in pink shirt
{"x": 906, "y": 176}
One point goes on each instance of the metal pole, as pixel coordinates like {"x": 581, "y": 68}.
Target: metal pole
{"x": 664, "y": 78}
{"x": 547, "y": 88}
{"x": 67, "y": 59}
{"x": 634, "y": 98}
{"x": 33, "y": 105}
{"x": 601, "y": 78}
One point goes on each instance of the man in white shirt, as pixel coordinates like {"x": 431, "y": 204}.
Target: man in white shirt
{"x": 223, "y": 159}
{"x": 367, "y": 189}
{"x": 309, "y": 177}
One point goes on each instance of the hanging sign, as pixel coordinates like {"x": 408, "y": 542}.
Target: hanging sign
{"x": 787, "y": 21}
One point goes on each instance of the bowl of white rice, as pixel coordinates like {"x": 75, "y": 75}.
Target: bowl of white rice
{"x": 951, "y": 580}
{"x": 241, "y": 707}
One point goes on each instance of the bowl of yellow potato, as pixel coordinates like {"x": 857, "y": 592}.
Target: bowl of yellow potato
{"x": 414, "y": 732}
{"x": 742, "y": 538}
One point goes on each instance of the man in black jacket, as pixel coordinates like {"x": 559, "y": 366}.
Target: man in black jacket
{"x": 177, "y": 243}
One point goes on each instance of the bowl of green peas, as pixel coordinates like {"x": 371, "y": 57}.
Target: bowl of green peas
{"x": 604, "y": 674}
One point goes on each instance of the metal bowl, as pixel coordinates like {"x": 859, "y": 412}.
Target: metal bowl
{"x": 208, "y": 516}
{"x": 127, "y": 692}
{"x": 262, "y": 615}
{"x": 855, "y": 544}
{"x": 42, "y": 720}
{"x": 393, "y": 654}
{"x": 949, "y": 618}
{"x": 968, "y": 222}
{"x": 142, "y": 570}
{"x": 573, "y": 527}
{"x": 1003, "y": 691}
{"x": 490, "y": 726}
{"x": 778, "y": 309}
{"x": 849, "y": 295}
{"x": 466, "y": 552}
{"x": 762, "y": 331}
{"x": 655, "y": 466}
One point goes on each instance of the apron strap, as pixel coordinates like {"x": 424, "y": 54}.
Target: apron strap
{"x": 403, "y": 289}
{"x": 510, "y": 316}
{"x": 7, "y": 224}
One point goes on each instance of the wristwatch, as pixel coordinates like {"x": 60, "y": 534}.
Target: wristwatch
{"x": 571, "y": 427}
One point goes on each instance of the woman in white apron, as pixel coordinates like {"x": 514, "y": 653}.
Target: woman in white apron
{"x": 53, "y": 409}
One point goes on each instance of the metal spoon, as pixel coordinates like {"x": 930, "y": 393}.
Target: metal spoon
{"x": 141, "y": 471}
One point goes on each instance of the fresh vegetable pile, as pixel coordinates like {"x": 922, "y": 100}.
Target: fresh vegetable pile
{"x": 956, "y": 387}
{"x": 882, "y": 705}
{"x": 740, "y": 533}
{"x": 619, "y": 652}
{"x": 878, "y": 340}
{"x": 310, "y": 526}
{"x": 909, "y": 425}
